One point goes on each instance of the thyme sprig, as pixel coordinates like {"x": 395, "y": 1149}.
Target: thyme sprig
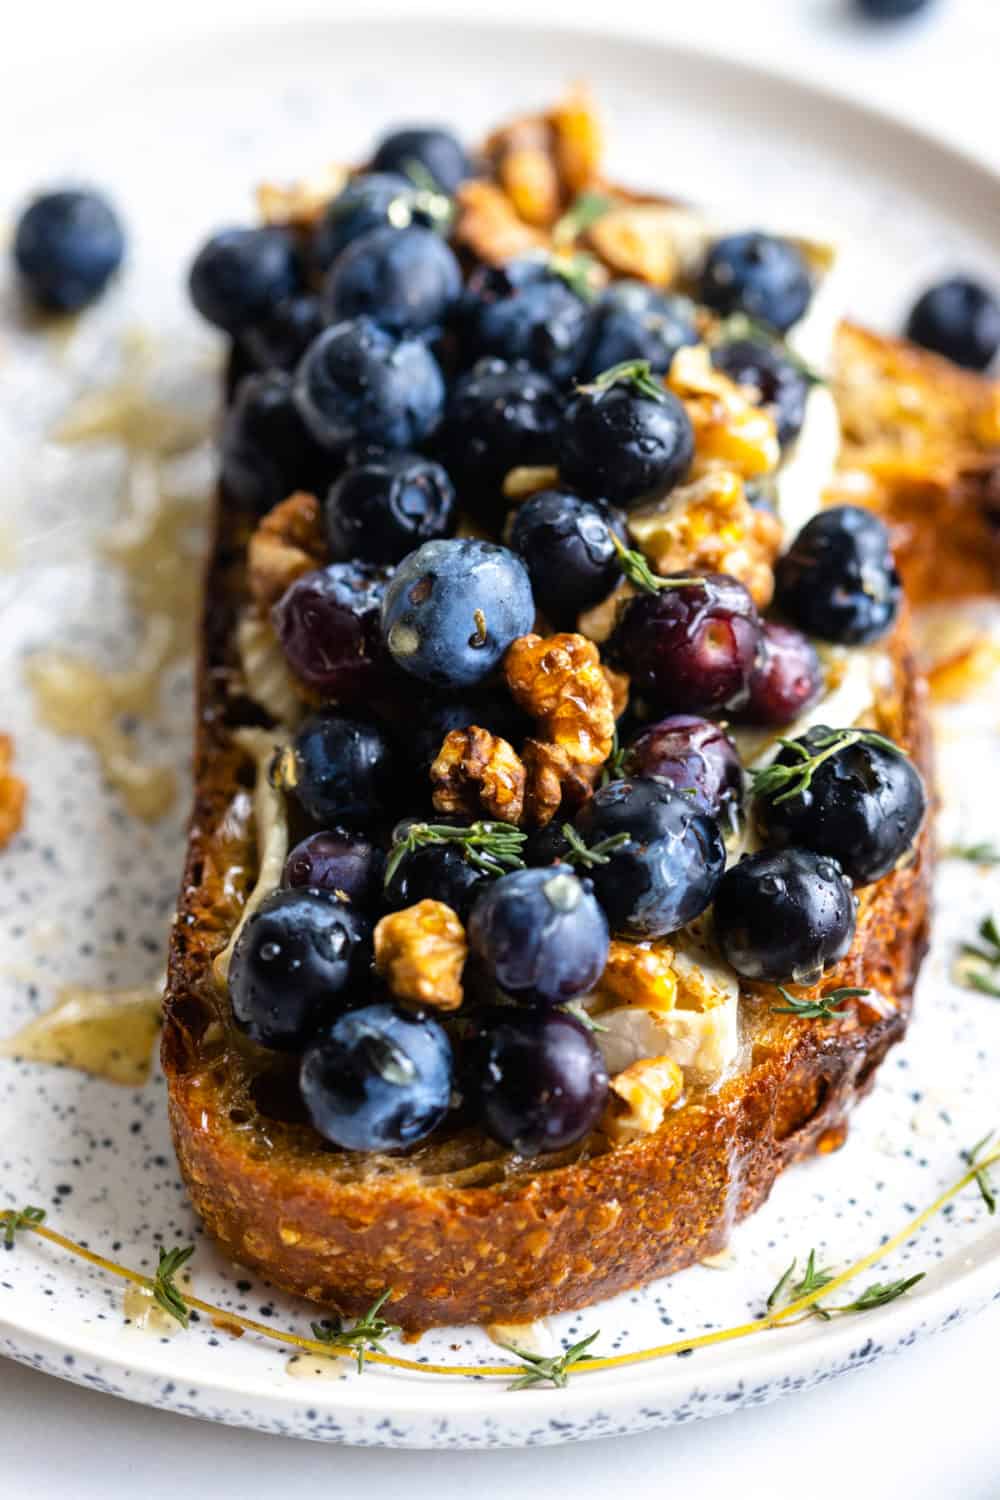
{"x": 978, "y": 964}
{"x": 741, "y": 326}
{"x": 792, "y": 781}
{"x": 584, "y": 211}
{"x": 826, "y": 1005}
{"x": 976, "y": 854}
{"x": 555, "y": 1368}
{"x": 614, "y": 766}
{"x": 365, "y": 1333}
{"x": 638, "y": 572}
{"x": 634, "y": 372}
{"x": 578, "y": 270}
{"x": 165, "y": 1291}
{"x": 490, "y": 847}
{"x": 816, "y": 1278}
{"x": 585, "y": 856}
{"x": 21, "y": 1218}
{"x": 982, "y": 1176}
{"x": 579, "y": 1013}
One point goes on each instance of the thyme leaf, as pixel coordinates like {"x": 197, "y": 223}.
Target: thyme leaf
{"x": 782, "y": 782}
{"x": 824, "y": 1005}
{"x": 367, "y": 1332}
{"x": 879, "y": 1293}
{"x": 976, "y": 854}
{"x": 21, "y": 1218}
{"x": 614, "y": 766}
{"x": 551, "y": 1367}
{"x": 982, "y": 1177}
{"x": 634, "y": 372}
{"x": 575, "y": 1009}
{"x": 584, "y": 211}
{"x": 638, "y": 572}
{"x": 586, "y": 856}
{"x": 577, "y": 270}
{"x": 490, "y": 847}
{"x": 741, "y": 326}
{"x": 978, "y": 964}
{"x": 165, "y": 1291}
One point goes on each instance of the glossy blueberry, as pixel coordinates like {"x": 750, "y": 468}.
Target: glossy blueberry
{"x": 357, "y": 384}
{"x": 787, "y": 678}
{"x": 568, "y": 547}
{"x": 890, "y": 10}
{"x": 436, "y": 872}
{"x": 838, "y": 580}
{"x": 691, "y": 648}
{"x": 407, "y": 280}
{"x": 339, "y": 770}
{"x": 666, "y": 874}
{"x": 240, "y": 277}
{"x": 525, "y": 311}
{"x": 387, "y": 505}
{"x": 537, "y": 1079}
{"x": 633, "y": 321}
{"x": 267, "y": 451}
{"x": 292, "y": 965}
{"x": 452, "y": 609}
{"x": 328, "y": 623}
{"x": 757, "y": 274}
{"x": 784, "y": 915}
{"x": 279, "y": 341}
{"x": 778, "y": 385}
{"x": 437, "y": 151}
{"x": 336, "y": 860}
{"x": 378, "y": 1079}
{"x": 369, "y": 201}
{"x": 67, "y": 246}
{"x": 540, "y": 934}
{"x": 959, "y": 318}
{"x": 696, "y": 757}
{"x": 622, "y": 444}
{"x": 864, "y": 805}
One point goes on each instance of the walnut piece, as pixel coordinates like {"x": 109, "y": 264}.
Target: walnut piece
{"x": 301, "y": 205}
{"x": 578, "y": 140}
{"x": 641, "y": 974}
{"x": 553, "y": 781}
{"x": 640, "y": 1097}
{"x": 638, "y": 240}
{"x": 13, "y": 793}
{"x": 288, "y": 542}
{"x": 420, "y": 952}
{"x": 477, "y": 773}
{"x": 730, "y": 432}
{"x": 487, "y": 224}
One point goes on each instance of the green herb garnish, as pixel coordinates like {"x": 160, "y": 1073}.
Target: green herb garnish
{"x": 575, "y": 1009}
{"x": 634, "y": 372}
{"x": 165, "y": 1291}
{"x": 982, "y": 1179}
{"x": 21, "y": 1218}
{"x": 489, "y": 847}
{"x": 815, "y": 1278}
{"x": 826, "y": 1005}
{"x": 367, "y": 1332}
{"x": 978, "y": 965}
{"x": 552, "y": 1367}
{"x": 586, "y": 856}
{"x": 740, "y": 326}
{"x": 638, "y": 572}
{"x": 976, "y": 854}
{"x": 792, "y": 781}
{"x": 577, "y": 270}
{"x": 584, "y": 211}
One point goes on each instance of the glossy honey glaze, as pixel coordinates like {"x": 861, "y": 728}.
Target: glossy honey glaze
{"x": 110, "y": 1034}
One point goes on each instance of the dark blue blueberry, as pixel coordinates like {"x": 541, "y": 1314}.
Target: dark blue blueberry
{"x": 67, "y": 246}
{"x": 634, "y": 321}
{"x": 240, "y": 277}
{"x": 540, "y": 934}
{"x": 281, "y": 339}
{"x": 387, "y": 505}
{"x": 368, "y": 202}
{"x": 339, "y": 861}
{"x": 357, "y": 384}
{"x": 338, "y": 769}
{"x": 378, "y": 1079}
{"x": 568, "y": 546}
{"x": 525, "y": 311}
{"x": 786, "y": 679}
{"x": 625, "y": 442}
{"x": 838, "y": 581}
{"x": 437, "y": 151}
{"x": 267, "y": 451}
{"x": 778, "y": 385}
{"x": 757, "y": 274}
{"x": 784, "y": 915}
{"x": 696, "y": 757}
{"x": 407, "y": 280}
{"x": 453, "y": 608}
{"x": 329, "y": 626}
{"x": 292, "y": 964}
{"x": 666, "y": 874}
{"x": 959, "y": 318}
{"x": 436, "y": 872}
{"x": 890, "y": 10}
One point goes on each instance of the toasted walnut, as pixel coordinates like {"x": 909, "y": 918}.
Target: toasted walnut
{"x": 641, "y": 974}
{"x": 478, "y": 773}
{"x": 598, "y": 622}
{"x": 710, "y": 526}
{"x": 13, "y": 793}
{"x": 526, "y": 480}
{"x": 420, "y": 952}
{"x": 301, "y": 204}
{"x": 730, "y": 432}
{"x": 618, "y": 682}
{"x": 487, "y": 224}
{"x": 640, "y": 1097}
{"x": 554, "y": 781}
{"x": 578, "y": 140}
{"x": 527, "y": 173}
{"x": 288, "y": 542}
{"x": 638, "y": 239}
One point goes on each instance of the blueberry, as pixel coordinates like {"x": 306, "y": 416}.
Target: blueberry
{"x": 357, "y": 384}
{"x": 626, "y": 440}
{"x": 864, "y": 805}
{"x": 436, "y": 872}
{"x": 387, "y": 505}
{"x": 633, "y": 321}
{"x": 369, "y": 201}
{"x": 757, "y": 274}
{"x": 337, "y": 860}
{"x": 67, "y": 246}
{"x": 378, "y": 1079}
{"x": 890, "y": 10}
{"x": 958, "y": 318}
{"x": 568, "y": 547}
{"x": 339, "y": 769}
{"x": 696, "y": 757}
{"x": 667, "y": 872}
{"x": 452, "y": 609}
{"x": 267, "y": 452}
{"x": 786, "y": 679}
{"x": 540, "y": 934}
{"x": 777, "y": 384}
{"x": 437, "y": 151}
{"x": 293, "y": 962}
{"x": 240, "y": 276}
{"x": 524, "y": 311}
{"x": 407, "y": 280}
{"x": 784, "y": 914}
{"x": 838, "y": 581}
{"x": 328, "y": 623}
{"x": 279, "y": 341}
{"x": 536, "y": 1078}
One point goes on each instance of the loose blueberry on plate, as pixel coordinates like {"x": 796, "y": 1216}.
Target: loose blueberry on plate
{"x": 339, "y": 770}
{"x": 281, "y": 339}
{"x": 537, "y": 1079}
{"x": 369, "y": 201}
{"x": 440, "y": 154}
{"x": 958, "y": 318}
{"x": 759, "y": 275}
{"x": 336, "y": 860}
{"x": 267, "y": 451}
{"x": 540, "y": 934}
{"x": 787, "y": 678}
{"x": 357, "y": 384}
{"x": 568, "y": 546}
{"x": 407, "y": 280}
{"x": 67, "y": 246}
{"x": 240, "y": 277}
{"x": 890, "y": 10}
{"x": 696, "y": 757}
{"x": 378, "y": 1079}
{"x": 524, "y": 311}
{"x": 624, "y": 438}
{"x": 784, "y": 915}
{"x": 838, "y": 580}
{"x": 328, "y": 623}
{"x": 779, "y": 385}
{"x": 690, "y": 647}
{"x": 387, "y": 505}
{"x": 292, "y": 963}
{"x": 435, "y": 872}
{"x": 667, "y": 872}
{"x": 452, "y": 609}
{"x": 863, "y": 801}
{"x": 631, "y": 321}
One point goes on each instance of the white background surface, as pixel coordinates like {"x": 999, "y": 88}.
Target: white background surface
{"x": 922, "y": 1425}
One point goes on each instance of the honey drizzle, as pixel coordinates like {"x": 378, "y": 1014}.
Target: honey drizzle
{"x": 110, "y": 1034}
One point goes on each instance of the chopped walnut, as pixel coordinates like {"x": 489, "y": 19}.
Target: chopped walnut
{"x": 619, "y": 683}
{"x": 579, "y": 140}
{"x": 301, "y": 204}
{"x": 288, "y": 542}
{"x": 478, "y": 773}
{"x": 640, "y": 974}
{"x": 638, "y": 239}
{"x": 527, "y": 172}
{"x": 420, "y": 952}
{"x": 598, "y": 622}
{"x": 13, "y": 793}
{"x": 553, "y": 781}
{"x": 488, "y": 225}
{"x": 730, "y": 432}
{"x": 640, "y": 1097}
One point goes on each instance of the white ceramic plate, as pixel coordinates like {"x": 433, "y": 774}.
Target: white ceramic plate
{"x": 86, "y": 892}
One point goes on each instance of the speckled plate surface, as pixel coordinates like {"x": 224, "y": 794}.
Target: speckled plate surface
{"x": 86, "y": 890}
